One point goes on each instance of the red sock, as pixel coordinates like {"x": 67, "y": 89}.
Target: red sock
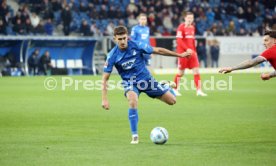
{"x": 176, "y": 80}
{"x": 197, "y": 81}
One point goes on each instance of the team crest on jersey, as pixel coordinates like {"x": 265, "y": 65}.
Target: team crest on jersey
{"x": 144, "y": 36}
{"x": 128, "y": 64}
{"x": 134, "y": 52}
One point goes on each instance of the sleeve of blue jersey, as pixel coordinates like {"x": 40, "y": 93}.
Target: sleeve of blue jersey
{"x": 109, "y": 63}
{"x": 145, "y": 47}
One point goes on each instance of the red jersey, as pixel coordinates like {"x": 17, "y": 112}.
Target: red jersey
{"x": 270, "y": 56}
{"x": 185, "y": 38}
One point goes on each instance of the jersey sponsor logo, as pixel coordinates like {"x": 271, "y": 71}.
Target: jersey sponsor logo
{"x": 179, "y": 34}
{"x": 144, "y": 36}
{"x": 128, "y": 64}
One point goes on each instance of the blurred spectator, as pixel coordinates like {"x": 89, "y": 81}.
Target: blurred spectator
{"x": 2, "y": 28}
{"x": 29, "y": 27}
{"x": 167, "y": 22}
{"x": 56, "y": 5}
{"x": 249, "y": 15}
{"x": 2, "y": 64}
{"x": 131, "y": 21}
{"x": 111, "y": 12}
{"x": 210, "y": 15}
{"x": 231, "y": 28}
{"x": 45, "y": 62}
{"x": 109, "y": 29}
{"x": 132, "y": 8}
{"x": 7, "y": 19}
{"x": 202, "y": 54}
{"x": 95, "y": 30}
{"x": 39, "y": 30}
{"x": 19, "y": 28}
{"x": 66, "y": 17}
{"x": 119, "y": 14}
{"x": 214, "y": 51}
{"x": 157, "y": 20}
{"x": 24, "y": 13}
{"x": 94, "y": 14}
{"x": 240, "y": 13}
{"x": 34, "y": 20}
{"x": 85, "y": 29}
{"x": 218, "y": 29}
{"x": 48, "y": 14}
{"x": 49, "y": 27}
{"x": 208, "y": 33}
{"x": 175, "y": 21}
{"x": 103, "y": 12}
{"x": 3, "y": 9}
{"x": 83, "y": 7}
{"x": 242, "y": 32}
{"x": 16, "y": 17}
{"x": 33, "y": 63}
{"x": 217, "y": 13}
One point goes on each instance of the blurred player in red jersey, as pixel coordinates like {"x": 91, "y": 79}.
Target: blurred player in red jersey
{"x": 185, "y": 39}
{"x": 269, "y": 54}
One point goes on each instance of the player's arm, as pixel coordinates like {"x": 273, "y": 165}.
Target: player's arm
{"x": 105, "y": 78}
{"x": 166, "y": 52}
{"x": 244, "y": 65}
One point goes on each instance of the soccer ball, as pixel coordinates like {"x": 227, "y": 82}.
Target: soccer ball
{"x": 159, "y": 135}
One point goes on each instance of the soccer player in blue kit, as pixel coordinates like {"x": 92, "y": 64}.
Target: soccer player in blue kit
{"x": 141, "y": 33}
{"x": 128, "y": 58}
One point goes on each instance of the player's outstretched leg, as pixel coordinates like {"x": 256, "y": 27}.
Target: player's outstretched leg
{"x": 168, "y": 98}
{"x": 177, "y": 79}
{"x": 133, "y": 115}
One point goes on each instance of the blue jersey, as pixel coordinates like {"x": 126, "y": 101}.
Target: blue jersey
{"x": 140, "y": 34}
{"x": 130, "y": 63}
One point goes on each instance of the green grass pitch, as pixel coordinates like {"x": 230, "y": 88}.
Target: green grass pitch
{"x": 69, "y": 127}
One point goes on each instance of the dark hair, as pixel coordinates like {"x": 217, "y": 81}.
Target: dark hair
{"x": 120, "y": 30}
{"x": 271, "y": 33}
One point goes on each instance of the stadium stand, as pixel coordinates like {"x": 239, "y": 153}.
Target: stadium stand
{"x": 221, "y": 17}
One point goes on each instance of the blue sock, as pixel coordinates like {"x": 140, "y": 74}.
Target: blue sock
{"x": 133, "y": 120}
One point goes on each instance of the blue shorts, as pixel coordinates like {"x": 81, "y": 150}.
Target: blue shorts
{"x": 151, "y": 87}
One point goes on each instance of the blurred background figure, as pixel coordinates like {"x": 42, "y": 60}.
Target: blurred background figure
{"x": 85, "y": 29}
{"x": 66, "y": 17}
{"x": 33, "y": 63}
{"x": 2, "y": 28}
{"x": 214, "y": 51}
{"x": 45, "y": 63}
{"x": 49, "y": 27}
{"x": 202, "y": 53}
